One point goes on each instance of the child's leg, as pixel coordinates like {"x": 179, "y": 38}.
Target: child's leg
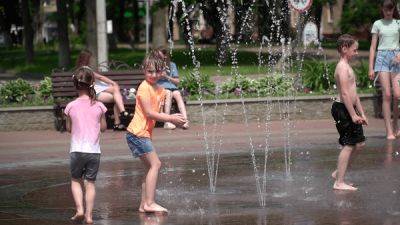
{"x": 343, "y": 161}
{"x": 181, "y": 104}
{"x": 143, "y": 186}
{"x": 90, "y": 194}
{"x": 168, "y": 100}
{"x": 396, "y": 95}
{"x": 117, "y": 120}
{"x": 384, "y": 78}
{"x": 77, "y": 194}
{"x": 114, "y": 90}
{"x": 151, "y": 182}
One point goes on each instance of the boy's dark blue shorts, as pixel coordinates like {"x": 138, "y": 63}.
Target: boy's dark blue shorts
{"x": 350, "y": 133}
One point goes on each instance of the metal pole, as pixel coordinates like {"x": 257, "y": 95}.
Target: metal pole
{"x": 101, "y": 33}
{"x": 147, "y": 26}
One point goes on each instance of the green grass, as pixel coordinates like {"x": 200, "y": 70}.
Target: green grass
{"x": 46, "y": 59}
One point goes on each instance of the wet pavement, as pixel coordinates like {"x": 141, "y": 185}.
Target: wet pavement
{"x": 34, "y": 179}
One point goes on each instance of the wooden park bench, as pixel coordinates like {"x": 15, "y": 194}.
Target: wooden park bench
{"x": 64, "y": 92}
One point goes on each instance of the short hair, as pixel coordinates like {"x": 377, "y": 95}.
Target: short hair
{"x": 154, "y": 58}
{"x": 345, "y": 40}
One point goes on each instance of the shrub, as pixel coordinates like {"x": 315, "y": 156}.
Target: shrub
{"x": 16, "y": 91}
{"x": 45, "y": 88}
{"x": 276, "y": 85}
{"x": 361, "y": 72}
{"x": 191, "y": 84}
{"x": 318, "y": 75}
{"x": 241, "y": 82}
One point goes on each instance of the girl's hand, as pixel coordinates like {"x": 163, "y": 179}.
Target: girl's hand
{"x": 178, "y": 119}
{"x": 371, "y": 74}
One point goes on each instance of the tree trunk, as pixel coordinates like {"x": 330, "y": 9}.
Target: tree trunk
{"x": 159, "y": 24}
{"x": 136, "y": 22}
{"x": 91, "y": 33}
{"x": 38, "y": 20}
{"x": 80, "y": 16}
{"x": 28, "y": 31}
{"x": 64, "y": 54}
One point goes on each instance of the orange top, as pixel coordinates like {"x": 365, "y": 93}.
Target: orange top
{"x": 140, "y": 125}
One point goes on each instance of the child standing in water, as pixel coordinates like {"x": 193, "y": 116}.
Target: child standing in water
{"x": 347, "y": 111}
{"x": 149, "y": 102}
{"x": 85, "y": 120}
{"x": 385, "y": 35}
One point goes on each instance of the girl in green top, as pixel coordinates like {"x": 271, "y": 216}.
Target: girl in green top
{"x": 387, "y": 31}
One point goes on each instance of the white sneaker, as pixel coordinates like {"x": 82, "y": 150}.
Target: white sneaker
{"x": 169, "y": 126}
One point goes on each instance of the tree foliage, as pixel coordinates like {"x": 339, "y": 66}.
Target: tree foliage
{"x": 358, "y": 15}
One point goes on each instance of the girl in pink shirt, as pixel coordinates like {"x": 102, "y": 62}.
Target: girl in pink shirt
{"x": 85, "y": 120}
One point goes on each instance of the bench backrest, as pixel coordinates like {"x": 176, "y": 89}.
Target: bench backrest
{"x": 63, "y": 86}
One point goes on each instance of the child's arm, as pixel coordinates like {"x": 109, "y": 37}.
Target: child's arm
{"x": 343, "y": 78}
{"x": 68, "y": 124}
{"x": 361, "y": 111}
{"x": 104, "y": 79}
{"x": 103, "y": 123}
{"x": 372, "y": 51}
{"x": 177, "y": 118}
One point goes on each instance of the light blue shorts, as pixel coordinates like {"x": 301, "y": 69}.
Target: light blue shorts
{"x": 138, "y": 145}
{"x": 384, "y": 61}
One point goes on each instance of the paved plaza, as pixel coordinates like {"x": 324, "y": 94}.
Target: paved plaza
{"x": 34, "y": 177}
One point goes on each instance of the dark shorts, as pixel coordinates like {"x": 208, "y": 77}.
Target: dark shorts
{"x": 138, "y": 145}
{"x": 350, "y": 133}
{"x": 84, "y": 165}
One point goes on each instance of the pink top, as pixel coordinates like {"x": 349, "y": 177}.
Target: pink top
{"x": 85, "y": 130}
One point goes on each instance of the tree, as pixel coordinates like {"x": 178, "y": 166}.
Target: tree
{"x": 28, "y": 30}
{"x": 358, "y": 16}
{"x": 91, "y": 32}
{"x": 159, "y": 27}
{"x": 64, "y": 54}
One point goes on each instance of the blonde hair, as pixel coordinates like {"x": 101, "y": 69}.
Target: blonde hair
{"x": 154, "y": 58}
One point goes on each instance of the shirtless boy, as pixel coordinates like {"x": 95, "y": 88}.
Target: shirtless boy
{"x": 347, "y": 111}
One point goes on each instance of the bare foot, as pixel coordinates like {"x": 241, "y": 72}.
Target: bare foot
{"x": 88, "y": 221}
{"x": 390, "y": 137}
{"x": 141, "y": 208}
{"x": 398, "y": 134}
{"x": 78, "y": 217}
{"x": 334, "y": 174}
{"x": 154, "y": 207}
{"x": 344, "y": 187}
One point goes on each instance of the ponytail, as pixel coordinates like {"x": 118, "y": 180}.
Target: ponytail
{"x": 83, "y": 79}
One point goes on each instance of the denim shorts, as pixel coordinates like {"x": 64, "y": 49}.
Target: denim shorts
{"x": 84, "y": 165}
{"x": 384, "y": 61}
{"x": 138, "y": 145}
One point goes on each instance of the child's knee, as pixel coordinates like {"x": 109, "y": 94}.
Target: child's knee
{"x": 360, "y": 145}
{"x": 156, "y": 164}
